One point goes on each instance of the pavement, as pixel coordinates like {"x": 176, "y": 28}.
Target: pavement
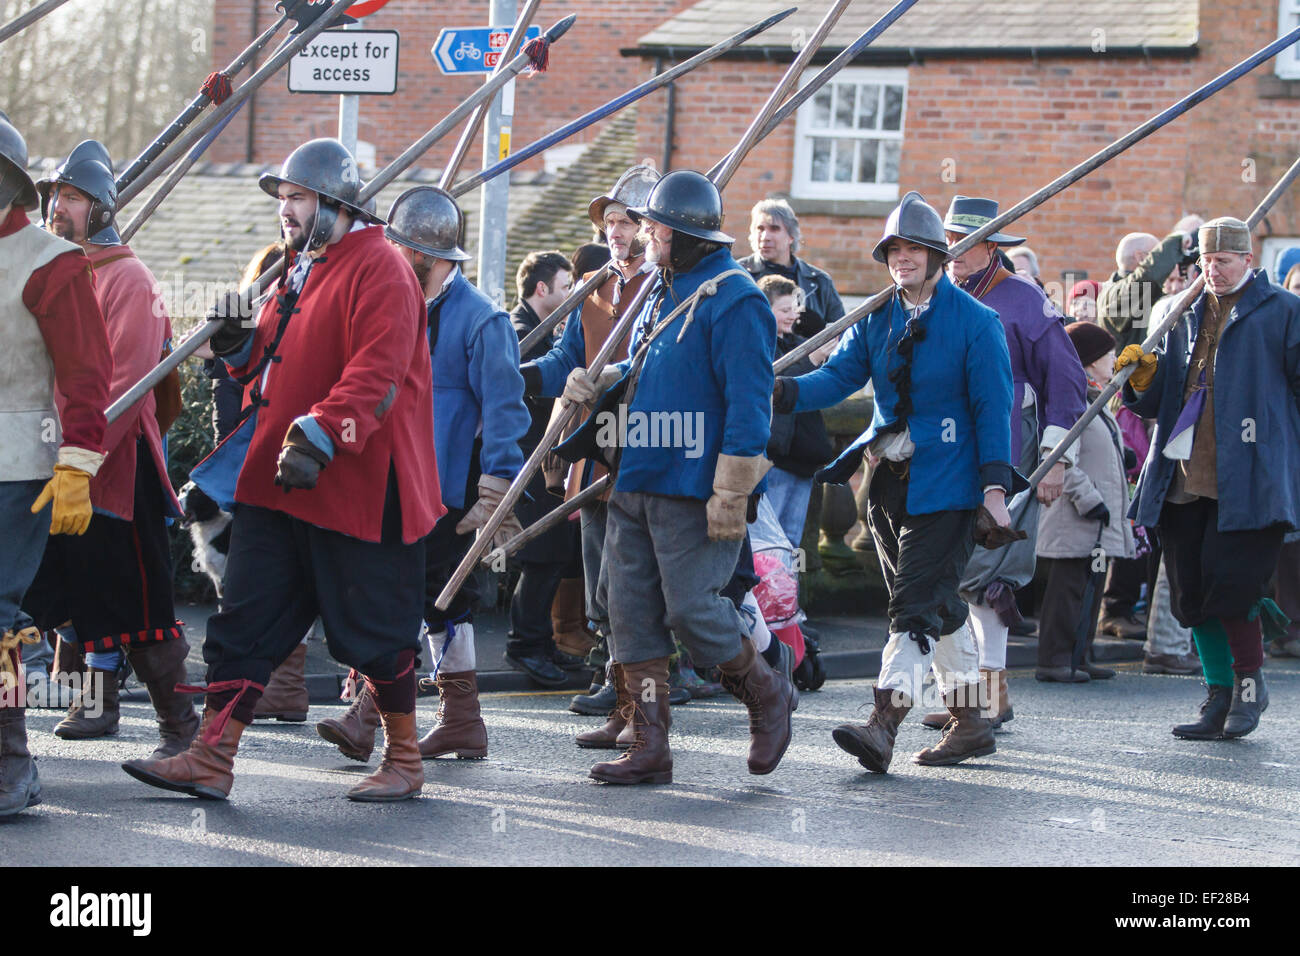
{"x": 1084, "y": 775}
{"x": 851, "y": 646}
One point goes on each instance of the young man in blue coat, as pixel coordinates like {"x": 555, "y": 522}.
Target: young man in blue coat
{"x": 1222, "y": 479}
{"x": 939, "y": 446}
{"x": 691, "y": 428}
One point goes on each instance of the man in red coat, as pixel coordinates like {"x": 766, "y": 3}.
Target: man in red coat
{"x": 114, "y": 583}
{"x": 50, "y": 326}
{"x": 339, "y": 483}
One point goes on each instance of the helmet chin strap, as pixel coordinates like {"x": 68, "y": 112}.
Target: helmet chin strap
{"x": 322, "y": 224}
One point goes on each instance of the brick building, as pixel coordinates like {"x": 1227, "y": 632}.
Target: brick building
{"x": 955, "y": 99}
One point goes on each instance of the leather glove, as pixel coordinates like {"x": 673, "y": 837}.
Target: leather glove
{"x": 1099, "y": 513}
{"x": 581, "y": 390}
{"x": 1145, "y": 370}
{"x": 236, "y": 312}
{"x": 490, "y": 492}
{"x": 734, "y": 480}
{"x": 69, "y": 489}
{"x": 300, "y": 462}
{"x": 989, "y": 534}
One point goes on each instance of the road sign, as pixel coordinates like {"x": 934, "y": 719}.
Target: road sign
{"x": 473, "y": 49}
{"x": 346, "y": 61}
{"x": 364, "y": 8}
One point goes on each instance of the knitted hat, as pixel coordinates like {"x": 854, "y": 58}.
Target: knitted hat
{"x": 1225, "y": 234}
{"x": 1085, "y": 288}
{"x": 1090, "y": 341}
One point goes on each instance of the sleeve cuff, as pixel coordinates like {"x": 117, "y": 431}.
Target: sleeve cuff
{"x": 239, "y": 358}
{"x": 316, "y": 434}
{"x": 789, "y": 395}
{"x": 1052, "y": 436}
{"x": 996, "y": 474}
{"x": 81, "y": 458}
{"x": 532, "y": 379}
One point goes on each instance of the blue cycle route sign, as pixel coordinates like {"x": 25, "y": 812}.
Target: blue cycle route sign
{"x": 473, "y": 49}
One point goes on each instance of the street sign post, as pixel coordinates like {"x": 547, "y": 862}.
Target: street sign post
{"x": 473, "y": 49}
{"x": 351, "y": 62}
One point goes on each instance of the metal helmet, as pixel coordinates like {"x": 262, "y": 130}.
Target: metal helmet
{"x": 632, "y": 190}
{"x": 686, "y": 201}
{"x": 15, "y": 185}
{"x": 428, "y": 220}
{"x": 915, "y": 220}
{"x": 89, "y": 169}
{"x": 327, "y": 168}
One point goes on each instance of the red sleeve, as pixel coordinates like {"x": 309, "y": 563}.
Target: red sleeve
{"x": 61, "y": 294}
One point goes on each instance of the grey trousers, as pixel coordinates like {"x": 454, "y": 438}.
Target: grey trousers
{"x": 594, "y": 517}
{"x": 24, "y": 535}
{"x": 664, "y": 578}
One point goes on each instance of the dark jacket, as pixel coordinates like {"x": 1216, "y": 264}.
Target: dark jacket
{"x": 799, "y": 442}
{"x": 1256, "y": 410}
{"x": 1125, "y": 301}
{"x": 821, "y": 305}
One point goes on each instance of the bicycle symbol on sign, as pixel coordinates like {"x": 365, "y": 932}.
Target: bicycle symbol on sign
{"x": 467, "y": 48}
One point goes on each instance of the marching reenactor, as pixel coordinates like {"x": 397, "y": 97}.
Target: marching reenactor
{"x": 1222, "y": 478}
{"x": 939, "y": 448}
{"x": 50, "y": 328}
{"x": 677, "y": 516}
{"x": 479, "y": 417}
{"x": 1049, "y": 389}
{"x": 115, "y": 582}
{"x": 584, "y": 334}
{"x": 338, "y": 485}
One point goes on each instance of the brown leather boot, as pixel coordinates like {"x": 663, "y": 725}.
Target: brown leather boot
{"x": 69, "y": 659}
{"x": 968, "y": 735}
{"x": 459, "y": 726}
{"x": 98, "y": 697}
{"x": 569, "y": 618}
{"x": 771, "y": 701}
{"x": 936, "y": 721}
{"x": 873, "y": 742}
{"x": 354, "y": 732}
{"x": 205, "y": 770}
{"x": 401, "y": 772}
{"x": 161, "y": 667}
{"x": 995, "y": 693}
{"x": 285, "y": 698}
{"x": 607, "y": 737}
{"x": 648, "y": 760}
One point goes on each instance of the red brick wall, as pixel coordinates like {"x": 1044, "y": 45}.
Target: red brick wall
{"x": 1010, "y": 126}
{"x": 586, "y": 70}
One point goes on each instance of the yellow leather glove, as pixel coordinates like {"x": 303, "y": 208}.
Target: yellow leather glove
{"x": 69, "y": 489}
{"x": 1145, "y": 370}
{"x": 734, "y": 479}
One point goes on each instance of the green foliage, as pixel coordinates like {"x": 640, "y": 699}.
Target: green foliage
{"x": 190, "y": 439}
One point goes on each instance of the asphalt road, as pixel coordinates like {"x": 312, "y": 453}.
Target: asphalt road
{"x": 1084, "y": 775}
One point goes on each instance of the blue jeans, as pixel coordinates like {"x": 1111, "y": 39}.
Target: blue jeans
{"x": 788, "y": 495}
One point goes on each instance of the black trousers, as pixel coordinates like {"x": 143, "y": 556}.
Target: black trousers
{"x": 922, "y": 557}
{"x": 530, "y": 608}
{"x": 282, "y": 573}
{"x": 1214, "y": 573}
{"x": 114, "y": 582}
{"x": 1068, "y": 606}
{"x": 444, "y": 549}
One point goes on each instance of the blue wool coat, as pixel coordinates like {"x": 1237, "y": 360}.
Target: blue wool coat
{"x": 717, "y": 381}
{"x": 961, "y": 397}
{"x": 1256, "y": 410}
{"x": 568, "y": 353}
{"x": 477, "y": 388}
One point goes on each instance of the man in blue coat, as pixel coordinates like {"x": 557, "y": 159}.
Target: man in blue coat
{"x": 690, "y": 420}
{"x": 939, "y": 446}
{"x": 1222, "y": 480}
{"x": 479, "y": 418}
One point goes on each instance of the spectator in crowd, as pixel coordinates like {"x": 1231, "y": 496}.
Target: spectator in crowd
{"x": 588, "y": 257}
{"x": 1090, "y": 514}
{"x": 1143, "y": 263}
{"x": 1286, "y": 260}
{"x": 774, "y": 237}
{"x": 1292, "y": 280}
{"x": 1081, "y": 303}
{"x": 1026, "y": 262}
{"x": 799, "y": 444}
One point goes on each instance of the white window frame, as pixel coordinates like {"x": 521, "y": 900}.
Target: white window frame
{"x": 1287, "y": 63}
{"x": 1269, "y": 251}
{"x": 802, "y": 185}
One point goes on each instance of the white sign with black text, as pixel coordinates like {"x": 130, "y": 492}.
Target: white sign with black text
{"x": 346, "y": 61}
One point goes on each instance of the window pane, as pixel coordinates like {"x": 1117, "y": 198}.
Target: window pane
{"x": 893, "y": 118}
{"x": 822, "y": 107}
{"x": 821, "y": 159}
{"x": 889, "y": 152}
{"x": 845, "y": 96}
{"x": 867, "y": 161}
{"x": 844, "y": 160}
{"x": 869, "y": 106}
